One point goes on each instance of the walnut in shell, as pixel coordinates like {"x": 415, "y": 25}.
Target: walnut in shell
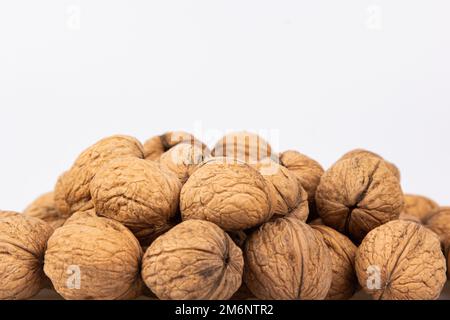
{"x": 94, "y": 258}
{"x": 72, "y": 191}
{"x": 357, "y": 195}
{"x": 44, "y": 208}
{"x": 418, "y": 207}
{"x": 243, "y": 146}
{"x": 286, "y": 260}
{"x": 156, "y": 146}
{"x": 196, "y": 260}
{"x": 184, "y": 159}
{"x": 231, "y": 194}
{"x": 23, "y": 241}
{"x": 307, "y": 170}
{"x": 401, "y": 260}
{"x": 288, "y": 195}
{"x": 7, "y": 214}
{"x": 439, "y": 222}
{"x": 343, "y": 252}
{"x": 363, "y": 152}
{"x": 141, "y": 194}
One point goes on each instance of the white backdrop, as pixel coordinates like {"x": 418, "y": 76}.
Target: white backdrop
{"x": 324, "y": 76}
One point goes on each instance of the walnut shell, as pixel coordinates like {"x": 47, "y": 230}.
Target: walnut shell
{"x": 72, "y": 191}
{"x": 401, "y": 260}
{"x": 196, "y": 260}
{"x": 357, "y": 195}
{"x": 343, "y": 252}
{"x": 156, "y": 146}
{"x": 287, "y": 193}
{"x": 7, "y": 214}
{"x": 243, "y": 146}
{"x": 363, "y": 152}
{"x": 286, "y": 260}
{"x": 23, "y": 241}
{"x": 184, "y": 159}
{"x": 94, "y": 258}
{"x": 44, "y": 208}
{"x": 232, "y": 195}
{"x": 419, "y": 207}
{"x": 139, "y": 193}
{"x": 439, "y": 222}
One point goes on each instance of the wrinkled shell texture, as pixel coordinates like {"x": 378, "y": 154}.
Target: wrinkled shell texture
{"x": 105, "y": 253}
{"x": 307, "y": 170}
{"x": 286, "y": 260}
{"x": 419, "y": 206}
{"x": 155, "y": 147}
{"x": 357, "y": 195}
{"x": 72, "y": 191}
{"x": 343, "y": 252}
{"x": 138, "y": 193}
{"x": 244, "y": 146}
{"x": 196, "y": 260}
{"x": 7, "y": 214}
{"x": 409, "y": 259}
{"x": 44, "y": 208}
{"x": 23, "y": 242}
{"x": 232, "y": 195}
{"x": 184, "y": 159}
{"x": 439, "y": 222}
{"x": 361, "y": 152}
{"x": 287, "y": 193}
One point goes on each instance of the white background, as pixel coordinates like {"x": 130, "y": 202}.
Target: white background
{"x": 325, "y": 76}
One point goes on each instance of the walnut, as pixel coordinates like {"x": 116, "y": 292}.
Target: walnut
{"x": 439, "y": 222}
{"x": 94, "y": 258}
{"x": 184, "y": 159}
{"x": 362, "y": 152}
{"x": 141, "y": 194}
{"x": 418, "y": 208}
{"x": 156, "y": 146}
{"x": 72, "y": 191}
{"x": 357, "y": 195}
{"x": 231, "y": 194}
{"x": 44, "y": 208}
{"x": 288, "y": 195}
{"x": 243, "y": 146}
{"x": 196, "y": 260}
{"x": 401, "y": 260}
{"x": 7, "y": 214}
{"x": 23, "y": 242}
{"x": 307, "y": 171}
{"x": 286, "y": 260}
{"x": 343, "y": 252}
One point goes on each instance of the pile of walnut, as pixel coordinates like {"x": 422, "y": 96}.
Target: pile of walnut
{"x": 176, "y": 220}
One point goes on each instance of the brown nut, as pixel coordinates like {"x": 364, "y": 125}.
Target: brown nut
{"x": 184, "y": 159}
{"x": 401, "y": 260}
{"x": 7, "y": 214}
{"x": 288, "y": 195}
{"x": 155, "y": 147}
{"x": 343, "y": 252}
{"x": 243, "y": 146}
{"x": 232, "y": 195}
{"x": 138, "y": 193}
{"x": 196, "y": 260}
{"x": 93, "y": 258}
{"x": 363, "y": 152}
{"x": 286, "y": 260}
{"x": 23, "y": 241}
{"x": 72, "y": 191}
{"x": 307, "y": 170}
{"x": 418, "y": 207}
{"x": 439, "y": 222}
{"x": 44, "y": 208}
{"x": 357, "y": 195}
